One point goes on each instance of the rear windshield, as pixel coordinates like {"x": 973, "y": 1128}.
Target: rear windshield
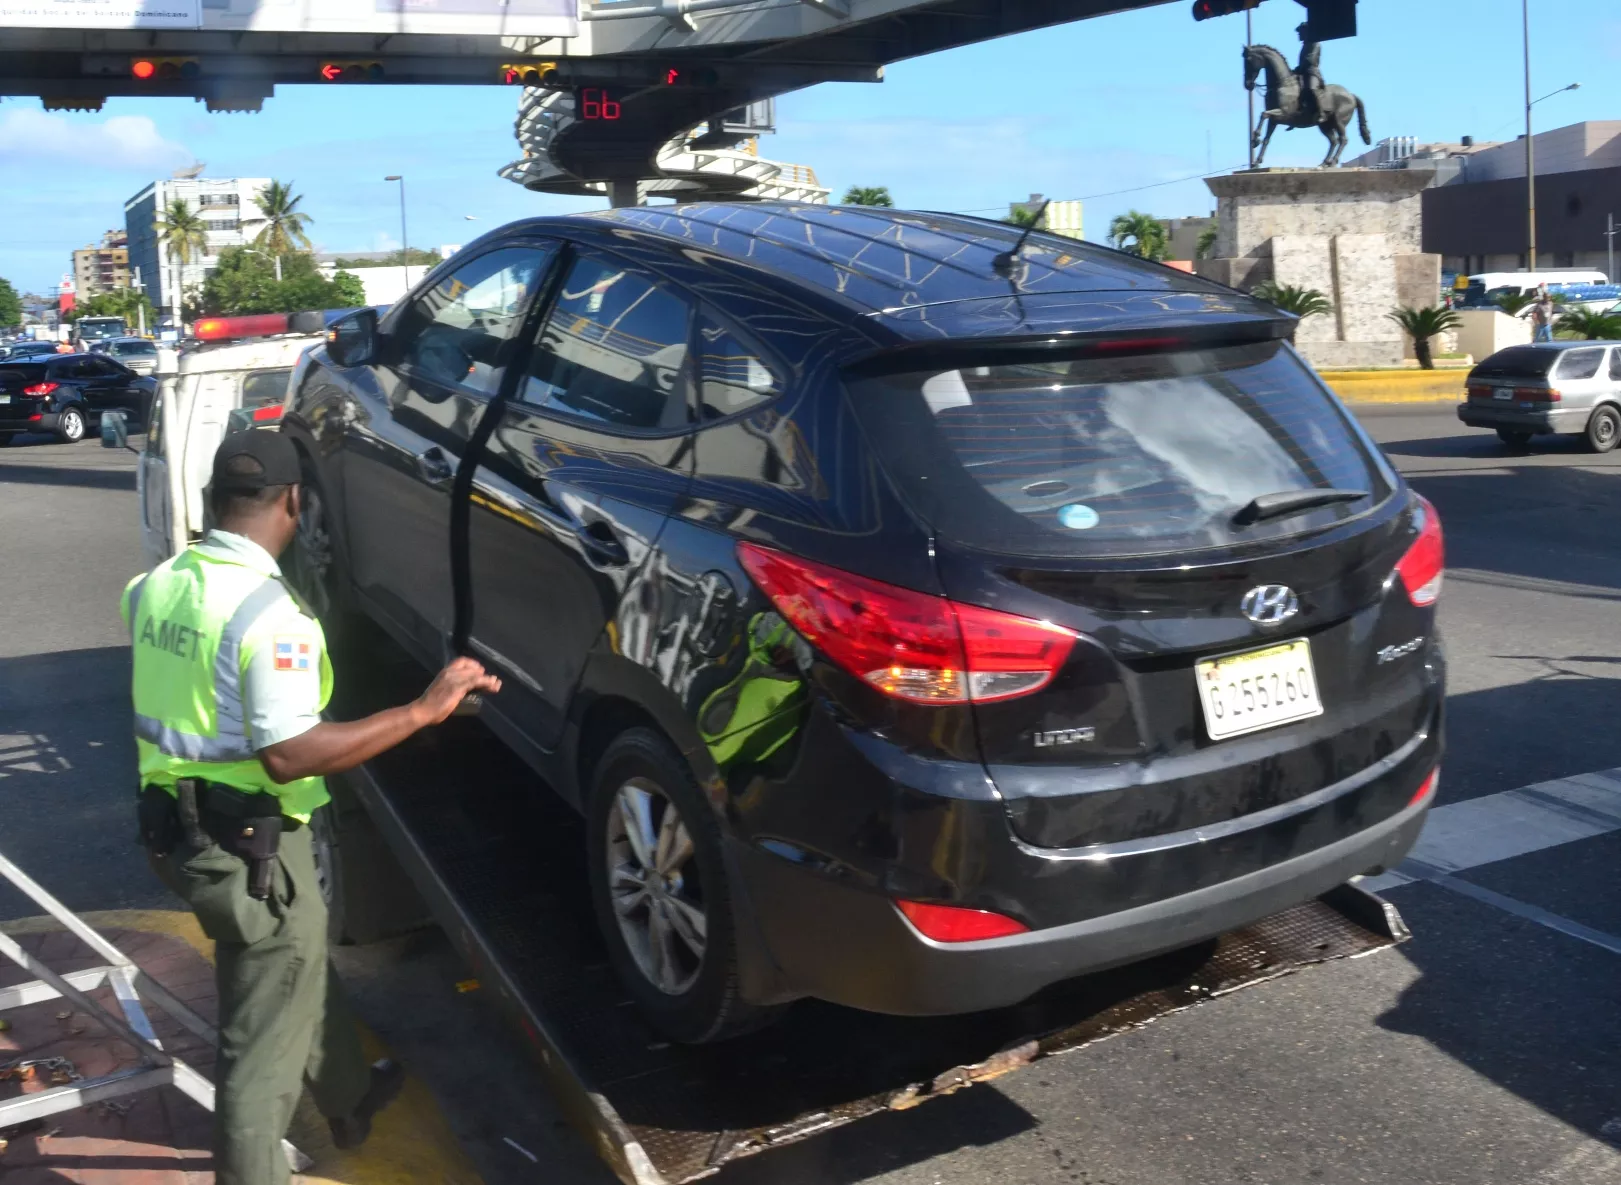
{"x": 135, "y": 349}
{"x": 1516, "y": 362}
{"x": 18, "y": 374}
{"x": 1117, "y": 457}
{"x": 264, "y": 387}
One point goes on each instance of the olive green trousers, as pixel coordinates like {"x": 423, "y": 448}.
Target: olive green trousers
{"x": 283, "y": 1019}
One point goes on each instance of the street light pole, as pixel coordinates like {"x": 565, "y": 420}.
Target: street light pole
{"x": 405, "y": 243}
{"x": 1609, "y": 236}
{"x": 1530, "y": 156}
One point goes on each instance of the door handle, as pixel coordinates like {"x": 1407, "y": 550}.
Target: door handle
{"x": 434, "y": 467}
{"x": 602, "y": 546}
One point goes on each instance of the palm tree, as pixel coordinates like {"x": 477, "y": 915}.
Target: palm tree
{"x": 1207, "y": 242}
{"x": 1591, "y": 324}
{"x": 283, "y": 230}
{"x": 184, "y": 238}
{"x": 1514, "y": 303}
{"x": 1144, "y": 233}
{"x": 1423, "y": 324}
{"x": 1302, "y": 302}
{"x": 869, "y": 195}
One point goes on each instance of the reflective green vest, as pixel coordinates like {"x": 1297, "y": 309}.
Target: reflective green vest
{"x": 196, "y": 622}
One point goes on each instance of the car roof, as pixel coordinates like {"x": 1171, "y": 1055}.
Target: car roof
{"x": 887, "y": 264}
{"x": 265, "y": 353}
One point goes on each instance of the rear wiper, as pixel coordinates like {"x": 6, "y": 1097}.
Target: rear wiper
{"x": 1287, "y": 502}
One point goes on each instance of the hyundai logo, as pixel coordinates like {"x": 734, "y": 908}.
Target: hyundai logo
{"x": 1270, "y": 604}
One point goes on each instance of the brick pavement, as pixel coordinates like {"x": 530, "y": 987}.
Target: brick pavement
{"x": 157, "y": 1137}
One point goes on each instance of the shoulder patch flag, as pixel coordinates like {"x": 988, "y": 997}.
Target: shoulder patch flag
{"x": 294, "y": 652}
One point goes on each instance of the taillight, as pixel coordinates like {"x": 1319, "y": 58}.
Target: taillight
{"x": 951, "y": 923}
{"x": 1426, "y": 787}
{"x": 1537, "y": 394}
{"x": 908, "y": 644}
{"x": 1421, "y": 568}
{"x": 40, "y": 390}
{"x": 271, "y": 411}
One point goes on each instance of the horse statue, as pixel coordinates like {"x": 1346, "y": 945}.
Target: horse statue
{"x": 1294, "y": 106}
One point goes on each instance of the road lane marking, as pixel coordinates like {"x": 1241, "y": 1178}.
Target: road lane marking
{"x": 1465, "y": 835}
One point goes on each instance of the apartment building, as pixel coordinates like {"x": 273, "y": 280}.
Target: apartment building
{"x": 230, "y": 218}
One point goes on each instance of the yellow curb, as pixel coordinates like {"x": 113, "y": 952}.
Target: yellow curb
{"x": 1397, "y": 386}
{"x": 411, "y": 1141}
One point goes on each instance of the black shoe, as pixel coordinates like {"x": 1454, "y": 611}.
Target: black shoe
{"x": 351, "y": 1130}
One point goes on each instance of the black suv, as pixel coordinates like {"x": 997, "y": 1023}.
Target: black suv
{"x": 919, "y": 615}
{"x": 66, "y": 394}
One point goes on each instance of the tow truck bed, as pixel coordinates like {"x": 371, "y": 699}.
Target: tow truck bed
{"x": 501, "y": 863}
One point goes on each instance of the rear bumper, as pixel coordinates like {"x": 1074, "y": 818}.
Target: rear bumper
{"x": 1483, "y": 415}
{"x": 848, "y": 945}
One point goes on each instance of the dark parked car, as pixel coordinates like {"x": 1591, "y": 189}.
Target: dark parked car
{"x": 66, "y": 394}
{"x": 19, "y": 350}
{"x": 917, "y": 622}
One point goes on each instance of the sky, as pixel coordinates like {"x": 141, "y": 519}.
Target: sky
{"x": 1124, "y": 111}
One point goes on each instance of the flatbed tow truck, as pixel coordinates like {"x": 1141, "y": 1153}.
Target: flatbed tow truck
{"x": 500, "y": 863}
{"x": 453, "y": 826}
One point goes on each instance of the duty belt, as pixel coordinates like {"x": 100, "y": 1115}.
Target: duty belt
{"x": 247, "y": 824}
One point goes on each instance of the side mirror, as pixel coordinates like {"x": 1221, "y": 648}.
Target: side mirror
{"x": 353, "y": 341}
{"x": 115, "y": 431}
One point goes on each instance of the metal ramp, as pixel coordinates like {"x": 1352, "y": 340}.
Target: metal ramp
{"x": 132, "y": 988}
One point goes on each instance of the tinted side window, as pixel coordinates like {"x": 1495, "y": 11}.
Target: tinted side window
{"x": 614, "y": 349}
{"x": 76, "y": 367}
{"x": 101, "y": 367}
{"x": 264, "y": 387}
{"x": 458, "y": 332}
{"x": 1580, "y": 364}
{"x": 1615, "y": 364}
{"x": 732, "y": 375}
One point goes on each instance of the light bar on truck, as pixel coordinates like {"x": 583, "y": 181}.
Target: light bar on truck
{"x": 219, "y": 329}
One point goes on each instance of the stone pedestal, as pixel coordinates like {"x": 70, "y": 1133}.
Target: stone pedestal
{"x": 1352, "y": 234}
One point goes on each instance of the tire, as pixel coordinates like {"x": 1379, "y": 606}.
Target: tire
{"x": 312, "y": 560}
{"x": 1514, "y": 437}
{"x": 670, "y": 930}
{"x": 1603, "y": 429}
{"x": 70, "y": 426}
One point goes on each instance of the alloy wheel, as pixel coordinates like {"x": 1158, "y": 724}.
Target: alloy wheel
{"x": 72, "y": 425}
{"x": 655, "y": 888}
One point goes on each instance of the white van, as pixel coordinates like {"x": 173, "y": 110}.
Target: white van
{"x": 191, "y": 416}
{"x": 1481, "y": 291}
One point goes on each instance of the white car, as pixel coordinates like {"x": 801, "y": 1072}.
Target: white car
{"x": 192, "y": 414}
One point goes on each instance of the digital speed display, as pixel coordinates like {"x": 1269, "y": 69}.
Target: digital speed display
{"x": 596, "y": 103}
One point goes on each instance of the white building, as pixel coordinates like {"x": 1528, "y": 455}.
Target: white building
{"x": 230, "y": 219}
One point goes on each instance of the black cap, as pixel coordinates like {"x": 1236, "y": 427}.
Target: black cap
{"x": 278, "y": 461}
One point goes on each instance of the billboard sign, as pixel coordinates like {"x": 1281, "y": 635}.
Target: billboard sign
{"x": 458, "y": 18}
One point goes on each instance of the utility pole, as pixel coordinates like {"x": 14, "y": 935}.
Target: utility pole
{"x": 1609, "y": 236}
{"x": 1530, "y": 157}
{"x": 1249, "y": 40}
{"x": 140, "y": 305}
{"x": 405, "y": 243}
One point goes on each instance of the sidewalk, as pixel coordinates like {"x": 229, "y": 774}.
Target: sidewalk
{"x": 160, "y": 1137}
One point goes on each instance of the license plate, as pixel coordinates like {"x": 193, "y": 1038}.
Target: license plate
{"x": 1258, "y": 689}
{"x": 5, "y": 398}
{"x": 1503, "y": 393}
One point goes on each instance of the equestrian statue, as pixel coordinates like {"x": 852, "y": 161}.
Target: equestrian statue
{"x": 1298, "y": 99}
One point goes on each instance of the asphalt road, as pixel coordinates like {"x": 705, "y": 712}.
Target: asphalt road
{"x": 1483, "y": 1051}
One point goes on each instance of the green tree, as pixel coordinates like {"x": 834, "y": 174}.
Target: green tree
{"x": 868, "y": 195}
{"x": 182, "y": 234}
{"x": 1139, "y": 234}
{"x": 1206, "y": 243}
{"x": 245, "y": 282}
{"x": 127, "y": 303}
{"x": 11, "y": 306}
{"x": 1302, "y": 302}
{"x": 1590, "y": 324}
{"x": 1022, "y": 216}
{"x": 1423, "y": 324}
{"x": 1514, "y": 303}
{"x": 283, "y": 230}
{"x": 416, "y": 256}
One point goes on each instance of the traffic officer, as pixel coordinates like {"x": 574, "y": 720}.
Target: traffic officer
{"x": 231, "y": 674}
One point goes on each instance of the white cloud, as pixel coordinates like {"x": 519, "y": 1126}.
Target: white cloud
{"x": 125, "y": 142}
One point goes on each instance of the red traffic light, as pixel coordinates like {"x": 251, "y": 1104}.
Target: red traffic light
{"x": 352, "y": 71}
{"x": 331, "y": 71}
{"x": 1203, "y": 10}
{"x": 143, "y": 69}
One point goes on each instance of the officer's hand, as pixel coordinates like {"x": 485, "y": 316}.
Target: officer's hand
{"x": 461, "y": 678}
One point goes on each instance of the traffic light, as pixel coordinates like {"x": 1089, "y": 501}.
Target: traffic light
{"x": 166, "y": 69}
{"x": 683, "y": 76}
{"x": 1203, "y": 10}
{"x": 1329, "y": 19}
{"x": 352, "y": 71}
{"x": 530, "y": 74}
